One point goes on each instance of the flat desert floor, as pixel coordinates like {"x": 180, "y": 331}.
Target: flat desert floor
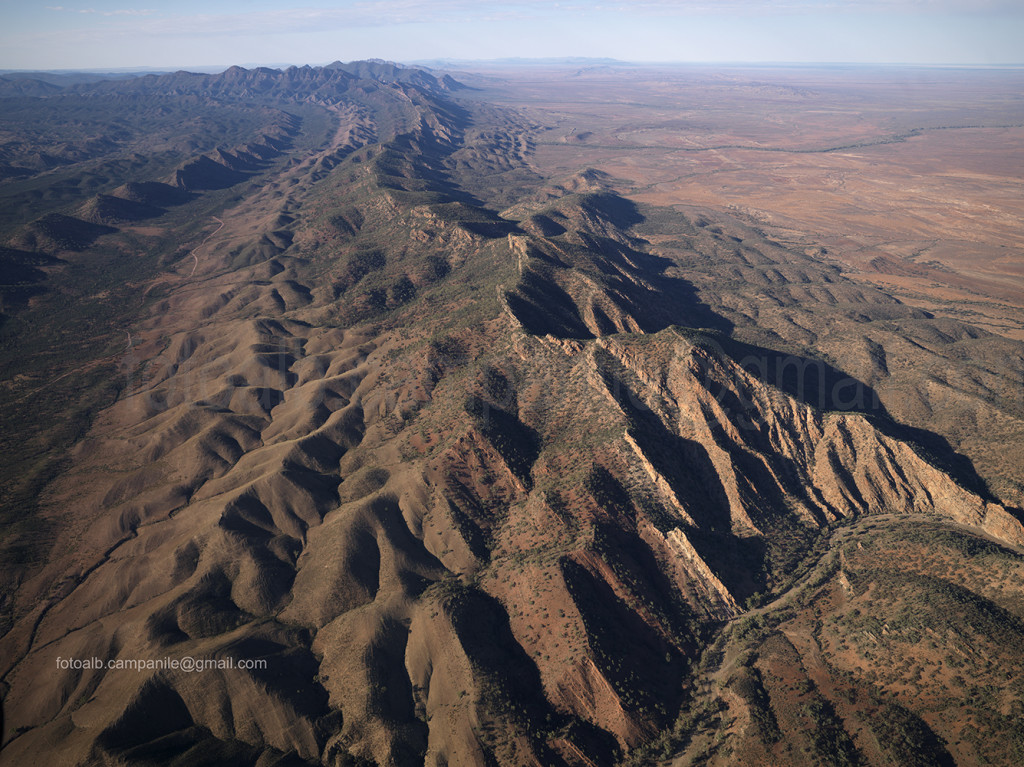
{"x": 910, "y": 179}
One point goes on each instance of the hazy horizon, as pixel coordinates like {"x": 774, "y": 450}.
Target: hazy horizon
{"x": 513, "y": 62}
{"x": 110, "y": 35}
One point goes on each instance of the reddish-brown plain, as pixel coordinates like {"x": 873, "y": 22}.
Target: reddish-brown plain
{"x": 912, "y": 179}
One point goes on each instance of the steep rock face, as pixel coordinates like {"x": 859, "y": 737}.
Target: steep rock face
{"x": 765, "y": 445}
{"x": 472, "y": 486}
{"x": 956, "y": 381}
{"x": 295, "y": 529}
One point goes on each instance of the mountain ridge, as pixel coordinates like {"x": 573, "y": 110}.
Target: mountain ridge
{"x": 482, "y": 483}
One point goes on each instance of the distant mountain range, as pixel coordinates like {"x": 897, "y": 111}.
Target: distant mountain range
{"x": 322, "y": 378}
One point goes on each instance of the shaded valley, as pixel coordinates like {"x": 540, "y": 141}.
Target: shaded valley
{"x": 486, "y": 454}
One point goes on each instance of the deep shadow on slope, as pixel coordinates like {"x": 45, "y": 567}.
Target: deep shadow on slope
{"x": 593, "y": 279}
{"x": 645, "y": 289}
{"x": 511, "y": 686}
{"x": 824, "y": 387}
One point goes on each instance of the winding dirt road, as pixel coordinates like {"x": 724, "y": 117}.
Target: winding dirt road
{"x": 197, "y": 247}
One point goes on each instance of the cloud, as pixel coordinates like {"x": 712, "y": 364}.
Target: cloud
{"x": 116, "y": 12}
{"x": 371, "y": 13}
{"x": 243, "y": 31}
{"x": 354, "y": 14}
{"x": 380, "y": 13}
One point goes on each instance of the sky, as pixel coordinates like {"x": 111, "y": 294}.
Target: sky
{"x": 97, "y": 34}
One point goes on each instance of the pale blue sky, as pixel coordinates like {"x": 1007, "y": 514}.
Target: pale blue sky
{"x": 97, "y": 34}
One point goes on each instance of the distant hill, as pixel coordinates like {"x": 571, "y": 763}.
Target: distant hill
{"x": 354, "y": 419}
{"x": 55, "y": 232}
{"x": 287, "y": 84}
{"x": 26, "y": 86}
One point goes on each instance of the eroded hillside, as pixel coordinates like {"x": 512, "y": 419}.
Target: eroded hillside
{"x": 488, "y": 467}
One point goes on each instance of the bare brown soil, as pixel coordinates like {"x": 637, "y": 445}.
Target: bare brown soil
{"x": 923, "y": 168}
{"x": 581, "y": 419}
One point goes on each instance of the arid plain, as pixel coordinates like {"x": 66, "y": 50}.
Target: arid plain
{"x": 911, "y": 179}
{"x": 580, "y": 416}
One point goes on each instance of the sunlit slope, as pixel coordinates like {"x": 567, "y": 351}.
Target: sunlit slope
{"x": 481, "y": 475}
